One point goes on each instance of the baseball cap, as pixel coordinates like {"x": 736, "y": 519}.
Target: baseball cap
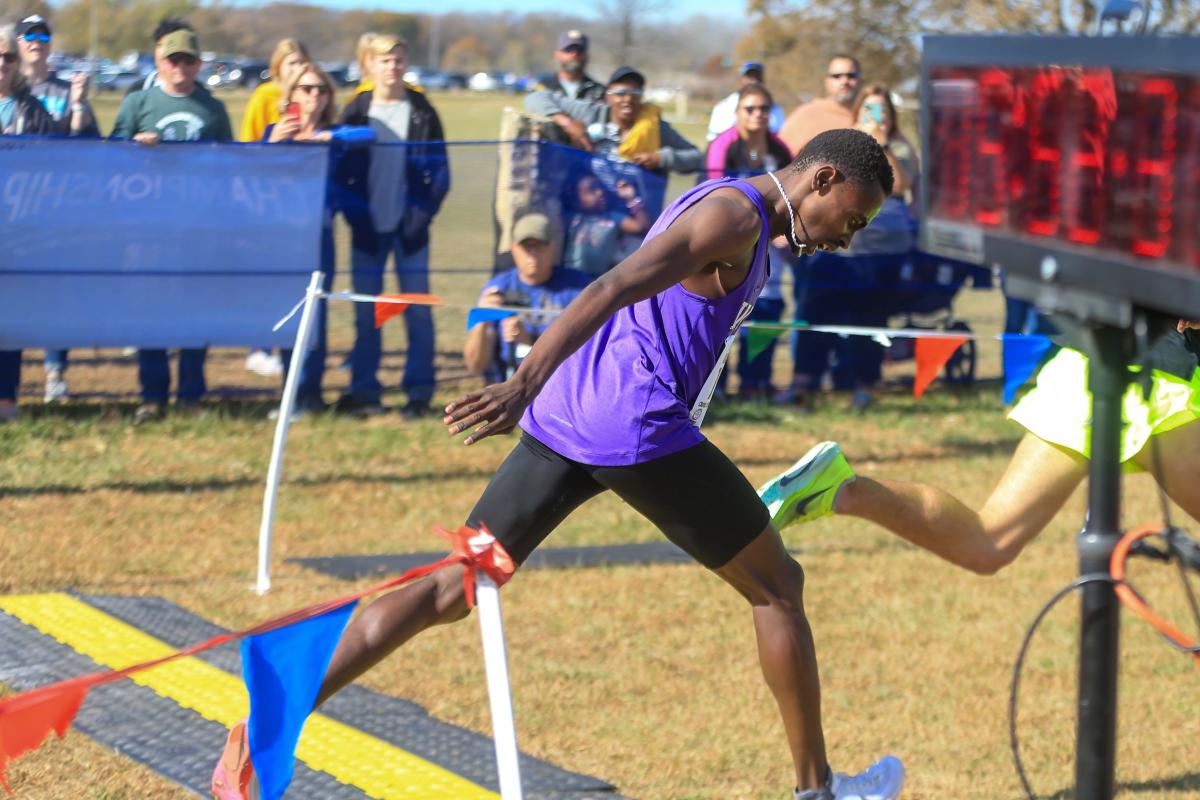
{"x": 31, "y": 22}
{"x": 621, "y": 74}
{"x": 533, "y": 226}
{"x": 752, "y": 66}
{"x": 573, "y": 38}
{"x": 182, "y": 42}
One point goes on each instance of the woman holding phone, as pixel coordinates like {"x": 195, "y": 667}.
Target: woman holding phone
{"x": 875, "y": 115}
{"x": 307, "y": 114}
{"x": 872, "y": 265}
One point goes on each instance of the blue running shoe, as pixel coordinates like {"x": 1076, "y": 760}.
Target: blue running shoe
{"x": 883, "y": 780}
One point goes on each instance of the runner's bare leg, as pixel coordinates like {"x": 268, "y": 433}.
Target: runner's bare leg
{"x": 1037, "y": 483}
{"x": 767, "y": 576}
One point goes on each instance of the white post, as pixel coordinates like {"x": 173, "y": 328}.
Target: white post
{"x": 504, "y": 727}
{"x": 286, "y": 404}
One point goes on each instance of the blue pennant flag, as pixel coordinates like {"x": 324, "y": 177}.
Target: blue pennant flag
{"x": 1023, "y": 354}
{"x": 283, "y": 670}
{"x": 478, "y": 315}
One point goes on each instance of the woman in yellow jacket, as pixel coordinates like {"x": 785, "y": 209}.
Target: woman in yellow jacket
{"x": 263, "y": 107}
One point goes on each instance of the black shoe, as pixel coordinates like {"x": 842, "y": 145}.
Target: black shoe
{"x": 416, "y": 410}
{"x": 352, "y": 406}
{"x": 312, "y": 404}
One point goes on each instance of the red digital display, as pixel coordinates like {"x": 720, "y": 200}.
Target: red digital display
{"x": 1086, "y": 156}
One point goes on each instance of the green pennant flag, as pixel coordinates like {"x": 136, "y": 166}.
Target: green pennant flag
{"x": 757, "y": 340}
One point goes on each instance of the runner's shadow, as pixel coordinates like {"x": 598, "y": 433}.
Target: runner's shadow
{"x": 225, "y": 484}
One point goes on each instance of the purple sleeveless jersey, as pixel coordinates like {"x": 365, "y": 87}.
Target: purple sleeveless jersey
{"x": 625, "y": 396}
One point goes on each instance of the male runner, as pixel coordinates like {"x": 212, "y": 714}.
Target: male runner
{"x": 1050, "y": 461}
{"x": 610, "y": 397}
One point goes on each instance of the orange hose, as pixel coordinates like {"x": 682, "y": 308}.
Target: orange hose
{"x": 1131, "y": 600}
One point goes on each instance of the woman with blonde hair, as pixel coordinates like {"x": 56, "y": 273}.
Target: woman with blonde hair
{"x": 262, "y": 109}
{"x": 362, "y": 54}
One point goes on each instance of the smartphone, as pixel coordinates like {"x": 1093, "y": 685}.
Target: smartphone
{"x": 875, "y": 111}
{"x": 292, "y": 110}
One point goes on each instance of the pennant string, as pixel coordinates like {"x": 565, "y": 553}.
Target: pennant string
{"x": 474, "y": 549}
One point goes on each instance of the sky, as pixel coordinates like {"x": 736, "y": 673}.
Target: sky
{"x": 729, "y": 9}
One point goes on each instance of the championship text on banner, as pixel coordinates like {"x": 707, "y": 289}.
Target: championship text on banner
{"x": 184, "y": 245}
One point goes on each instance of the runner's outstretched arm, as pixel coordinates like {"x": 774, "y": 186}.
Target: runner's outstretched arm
{"x": 717, "y": 230}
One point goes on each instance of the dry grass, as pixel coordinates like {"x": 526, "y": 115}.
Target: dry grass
{"x": 645, "y": 676}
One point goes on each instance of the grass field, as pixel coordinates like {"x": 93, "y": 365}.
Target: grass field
{"x": 645, "y": 676}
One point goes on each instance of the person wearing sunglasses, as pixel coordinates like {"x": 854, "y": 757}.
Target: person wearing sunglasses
{"x": 20, "y": 113}
{"x": 813, "y": 278}
{"x": 307, "y": 113}
{"x": 625, "y": 126}
{"x": 747, "y": 149}
{"x": 843, "y": 79}
{"x": 724, "y": 113}
{"x": 65, "y": 100}
{"x": 177, "y": 109}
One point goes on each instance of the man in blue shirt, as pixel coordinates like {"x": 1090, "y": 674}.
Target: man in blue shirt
{"x": 494, "y": 349}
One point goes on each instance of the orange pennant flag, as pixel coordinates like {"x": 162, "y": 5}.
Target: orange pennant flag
{"x": 932, "y": 353}
{"x": 26, "y": 720}
{"x": 385, "y": 311}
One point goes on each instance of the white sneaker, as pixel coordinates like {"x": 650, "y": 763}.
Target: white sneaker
{"x": 262, "y": 362}
{"x": 56, "y": 386}
{"x": 883, "y": 780}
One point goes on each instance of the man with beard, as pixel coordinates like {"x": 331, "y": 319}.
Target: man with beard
{"x": 570, "y": 81}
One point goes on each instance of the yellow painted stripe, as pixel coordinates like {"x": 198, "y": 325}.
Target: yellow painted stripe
{"x": 377, "y": 767}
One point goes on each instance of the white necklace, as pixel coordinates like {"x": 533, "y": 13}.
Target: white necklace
{"x": 791, "y": 212}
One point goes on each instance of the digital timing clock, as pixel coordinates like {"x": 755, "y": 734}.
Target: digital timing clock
{"x": 1072, "y": 162}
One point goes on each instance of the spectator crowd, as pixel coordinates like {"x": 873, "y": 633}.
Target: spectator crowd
{"x": 389, "y": 174}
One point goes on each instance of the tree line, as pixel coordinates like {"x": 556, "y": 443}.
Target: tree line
{"x": 794, "y": 38}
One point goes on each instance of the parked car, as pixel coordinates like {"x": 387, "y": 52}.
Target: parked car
{"x": 497, "y": 80}
{"x": 456, "y": 80}
{"x": 116, "y": 79}
{"x": 252, "y": 73}
{"x": 419, "y": 76}
{"x": 483, "y": 82}
{"x": 220, "y": 75}
{"x": 340, "y": 72}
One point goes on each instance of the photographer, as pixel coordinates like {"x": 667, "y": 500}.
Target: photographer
{"x": 495, "y": 349}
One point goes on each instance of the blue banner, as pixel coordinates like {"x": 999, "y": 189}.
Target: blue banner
{"x": 114, "y": 244}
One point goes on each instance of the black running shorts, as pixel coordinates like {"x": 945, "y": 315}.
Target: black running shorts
{"x": 697, "y": 497}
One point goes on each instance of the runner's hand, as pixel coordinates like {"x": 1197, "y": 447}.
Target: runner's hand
{"x": 495, "y": 409}
{"x": 1184, "y": 324}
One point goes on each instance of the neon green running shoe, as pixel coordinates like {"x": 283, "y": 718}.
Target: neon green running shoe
{"x": 808, "y": 488}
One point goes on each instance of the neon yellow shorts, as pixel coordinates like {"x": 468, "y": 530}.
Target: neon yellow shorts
{"x": 1059, "y": 408}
